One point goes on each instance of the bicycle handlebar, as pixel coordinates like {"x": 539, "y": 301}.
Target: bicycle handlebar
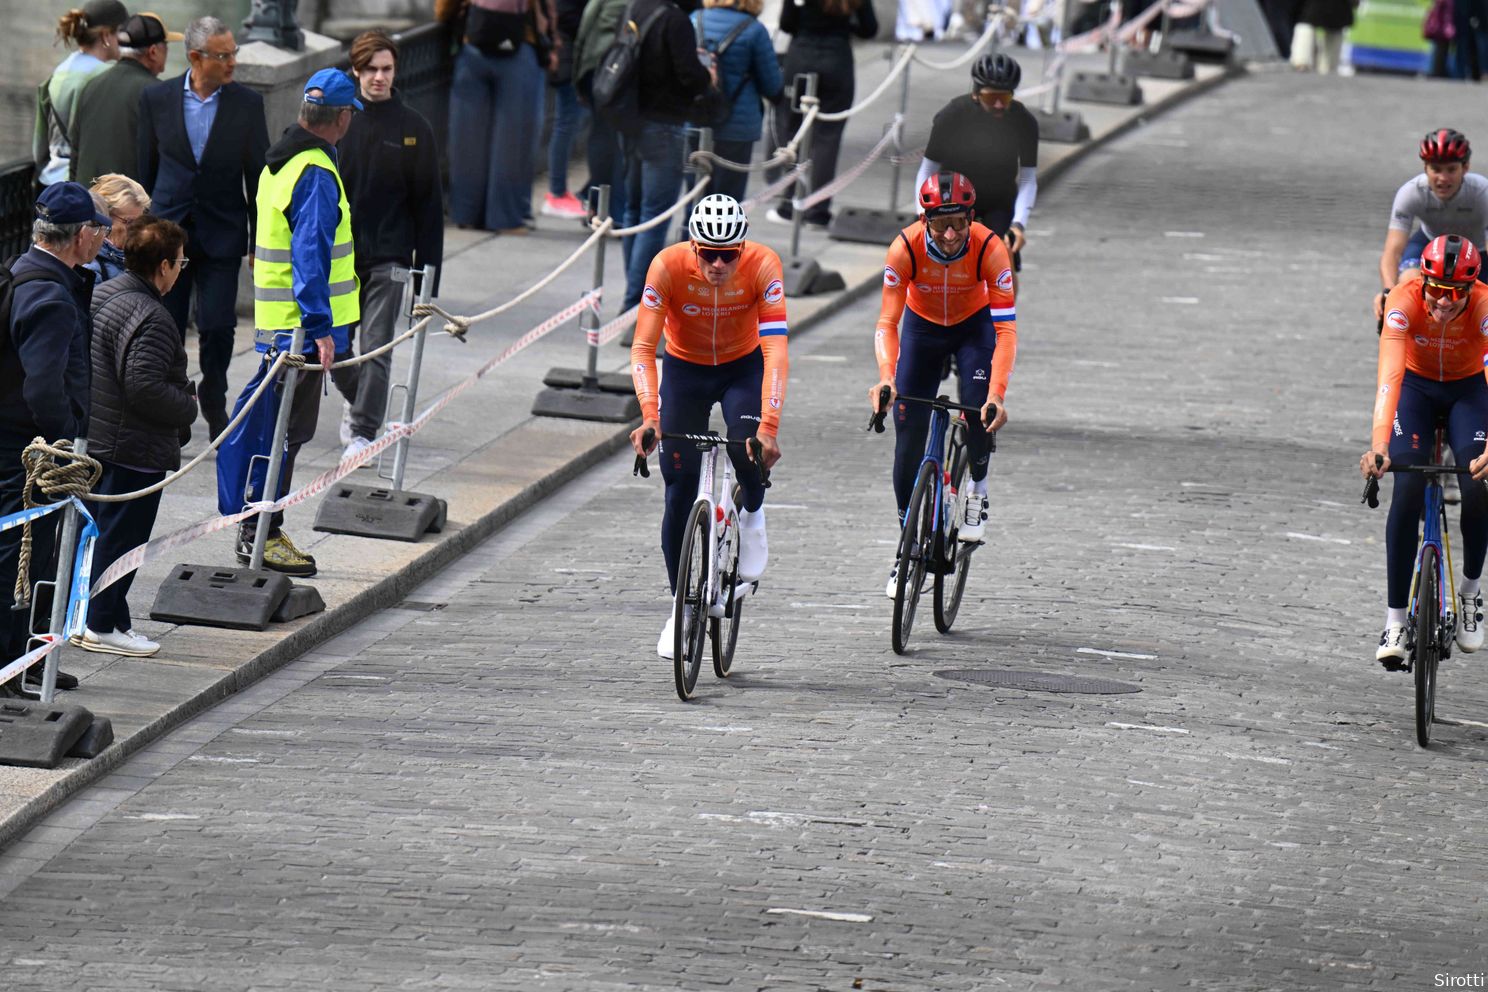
{"x": 705, "y": 441}
{"x": 1371, "y": 485}
{"x": 876, "y": 421}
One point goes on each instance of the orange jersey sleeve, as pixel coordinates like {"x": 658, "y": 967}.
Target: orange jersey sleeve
{"x": 996, "y": 273}
{"x": 898, "y": 267}
{"x": 773, "y": 329}
{"x": 650, "y": 319}
{"x": 1410, "y": 340}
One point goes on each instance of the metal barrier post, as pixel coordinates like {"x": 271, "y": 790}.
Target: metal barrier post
{"x": 1109, "y": 86}
{"x": 692, "y": 174}
{"x": 415, "y": 363}
{"x": 588, "y": 394}
{"x": 62, "y": 590}
{"x": 895, "y": 160}
{"x": 276, "y": 453}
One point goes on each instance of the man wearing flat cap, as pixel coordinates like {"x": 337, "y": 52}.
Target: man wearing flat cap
{"x": 304, "y": 276}
{"x": 44, "y": 375}
{"x": 105, "y": 126}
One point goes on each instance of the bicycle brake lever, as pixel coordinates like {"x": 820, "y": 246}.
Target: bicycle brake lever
{"x": 876, "y": 421}
{"x": 1371, "y": 487}
{"x": 757, "y": 453}
{"x": 641, "y": 468}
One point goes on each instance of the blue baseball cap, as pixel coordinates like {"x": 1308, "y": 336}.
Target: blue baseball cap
{"x": 69, "y": 203}
{"x": 336, "y": 89}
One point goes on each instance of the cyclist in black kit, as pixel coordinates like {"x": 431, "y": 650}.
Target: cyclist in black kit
{"x": 992, "y": 140}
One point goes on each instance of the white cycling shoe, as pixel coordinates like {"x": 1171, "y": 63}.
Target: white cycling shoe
{"x": 754, "y": 547}
{"x": 1469, "y": 623}
{"x": 974, "y": 519}
{"x": 893, "y": 587}
{"x": 1391, "y": 651}
{"x": 666, "y": 643}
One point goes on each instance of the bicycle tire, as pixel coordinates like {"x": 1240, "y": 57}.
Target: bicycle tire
{"x": 914, "y": 538}
{"x": 950, "y": 588}
{"x": 724, "y": 631}
{"x": 690, "y": 607}
{"x": 1428, "y": 644}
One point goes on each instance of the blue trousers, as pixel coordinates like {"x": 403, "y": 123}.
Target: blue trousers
{"x": 653, "y": 180}
{"x": 1460, "y": 405}
{"x": 688, "y": 393}
{"x": 496, "y": 106}
{"x": 122, "y": 527}
{"x": 215, "y": 281}
{"x": 568, "y": 118}
{"x": 923, "y": 349}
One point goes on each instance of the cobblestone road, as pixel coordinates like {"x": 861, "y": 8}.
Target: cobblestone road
{"x": 495, "y": 787}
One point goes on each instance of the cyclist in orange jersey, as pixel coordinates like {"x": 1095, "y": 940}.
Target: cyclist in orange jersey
{"x": 955, "y": 278}
{"x": 721, "y": 301}
{"x": 1432, "y": 356}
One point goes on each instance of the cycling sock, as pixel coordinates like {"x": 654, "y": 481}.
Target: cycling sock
{"x": 1394, "y": 616}
{"x": 1469, "y": 587}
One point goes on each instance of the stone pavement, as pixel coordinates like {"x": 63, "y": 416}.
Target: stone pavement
{"x": 486, "y": 455}
{"x": 493, "y": 786}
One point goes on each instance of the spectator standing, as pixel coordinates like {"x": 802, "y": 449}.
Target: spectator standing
{"x": 568, "y": 118}
{"x": 305, "y": 277}
{"x": 44, "y": 375}
{"x": 202, "y": 139}
{"x": 142, "y": 409}
{"x": 606, "y": 159}
{"x": 819, "y": 31}
{"x": 669, "y": 79}
{"x": 104, "y": 133}
{"x": 95, "y": 31}
{"x": 127, "y": 202}
{"x": 747, "y": 72}
{"x": 496, "y": 106}
{"x": 390, "y": 166}
{"x": 1317, "y": 38}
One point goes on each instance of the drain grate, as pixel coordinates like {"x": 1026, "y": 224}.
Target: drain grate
{"x": 1038, "y": 681}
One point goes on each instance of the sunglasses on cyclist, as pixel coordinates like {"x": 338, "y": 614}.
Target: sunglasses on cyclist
{"x": 956, "y": 222}
{"x": 725, "y": 255}
{"x": 1446, "y": 290}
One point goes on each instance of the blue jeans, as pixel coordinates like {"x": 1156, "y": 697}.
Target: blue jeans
{"x": 569, "y": 118}
{"x": 653, "y": 179}
{"x": 496, "y": 106}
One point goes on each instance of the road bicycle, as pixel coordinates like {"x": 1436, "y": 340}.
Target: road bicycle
{"x": 708, "y": 585}
{"x": 928, "y": 539}
{"x": 1431, "y": 626}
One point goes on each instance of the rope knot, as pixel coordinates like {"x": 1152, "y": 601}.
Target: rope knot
{"x": 59, "y": 473}
{"x": 456, "y": 327}
{"x": 294, "y": 361}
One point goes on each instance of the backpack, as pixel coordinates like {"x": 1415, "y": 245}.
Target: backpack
{"x": 714, "y": 107}
{"x": 497, "y": 27}
{"x": 617, "y": 84}
{"x": 10, "y": 365}
{"x": 47, "y": 118}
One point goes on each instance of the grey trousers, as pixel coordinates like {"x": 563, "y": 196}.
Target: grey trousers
{"x": 381, "y": 301}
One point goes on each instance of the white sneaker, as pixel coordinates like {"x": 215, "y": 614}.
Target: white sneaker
{"x": 974, "y": 520}
{"x": 1391, "y": 652}
{"x": 124, "y": 642}
{"x": 754, "y": 547}
{"x": 1469, "y": 623}
{"x": 775, "y": 215}
{"x": 356, "y": 446}
{"x": 345, "y": 422}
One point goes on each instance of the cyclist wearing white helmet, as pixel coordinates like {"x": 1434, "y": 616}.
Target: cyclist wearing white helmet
{"x": 720, "y": 300}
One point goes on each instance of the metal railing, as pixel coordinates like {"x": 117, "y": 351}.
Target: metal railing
{"x": 17, "y": 206}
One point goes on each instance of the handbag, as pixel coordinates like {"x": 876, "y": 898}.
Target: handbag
{"x": 1440, "y": 26}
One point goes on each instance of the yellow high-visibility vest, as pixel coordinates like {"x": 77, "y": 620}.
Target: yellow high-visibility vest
{"x": 274, "y": 306}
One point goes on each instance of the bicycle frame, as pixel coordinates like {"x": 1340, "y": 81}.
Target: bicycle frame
{"x": 721, "y": 516}
{"x": 1434, "y": 534}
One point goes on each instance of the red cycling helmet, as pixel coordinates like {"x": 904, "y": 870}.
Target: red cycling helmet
{"x": 1451, "y": 258}
{"x": 947, "y": 193}
{"x": 1445, "y": 145}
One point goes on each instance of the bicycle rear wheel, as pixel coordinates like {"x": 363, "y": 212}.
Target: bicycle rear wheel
{"x": 724, "y": 631}
{"x": 949, "y": 587}
{"x": 916, "y": 540}
{"x": 1428, "y": 644}
{"x": 690, "y": 619}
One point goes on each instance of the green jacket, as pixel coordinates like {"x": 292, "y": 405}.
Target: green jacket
{"x": 596, "y": 34}
{"x": 104, "y": 131}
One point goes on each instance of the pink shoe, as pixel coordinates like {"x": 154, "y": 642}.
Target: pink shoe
{"x": 566, "y": 205}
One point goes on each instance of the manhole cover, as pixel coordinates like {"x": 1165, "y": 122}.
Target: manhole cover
{"x": 1038, "y": 681}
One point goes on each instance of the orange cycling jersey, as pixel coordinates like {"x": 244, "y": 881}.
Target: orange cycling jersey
{"x": 1412, "y": 340}
{"x": 712, "y": 325}
{"x": 949, "y": 294}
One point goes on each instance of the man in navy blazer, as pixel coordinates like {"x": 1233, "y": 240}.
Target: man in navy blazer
{"x": 202, "y": 139}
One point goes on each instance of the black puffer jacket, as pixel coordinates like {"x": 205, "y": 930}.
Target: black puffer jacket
{"x": 142, "y": 399}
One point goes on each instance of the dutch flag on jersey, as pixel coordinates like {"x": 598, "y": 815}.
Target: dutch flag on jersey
{"x": 1003, "y": 313}
{"x": 769, "y": 328}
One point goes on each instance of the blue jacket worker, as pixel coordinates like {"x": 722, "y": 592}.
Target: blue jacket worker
{"x": 44, "y": 378}
{"x": 304, "y": 276}
{"x": 748, "y": 72}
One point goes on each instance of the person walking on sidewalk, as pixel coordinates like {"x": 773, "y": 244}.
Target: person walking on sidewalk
{"x": 304, "y": 277}
{"x": 143, "y": 406}
{"x": 44, "y": 377}
{"x": 390, "y": 165}
{"x": 747, "y": 72}
{"x": 819, "y": 31}
{"x": 95, "y": 30}
{"x": 569, "y": 115}
{"x": 104, "y": 132}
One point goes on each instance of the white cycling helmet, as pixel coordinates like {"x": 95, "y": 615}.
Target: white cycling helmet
{"x": 718, "y": 222}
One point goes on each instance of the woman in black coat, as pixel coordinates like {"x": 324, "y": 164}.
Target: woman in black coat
{"x": 143, "y": 408}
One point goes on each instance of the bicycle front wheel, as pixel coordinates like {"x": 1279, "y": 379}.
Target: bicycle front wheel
{"x": 1428, "y": 644}
{"x": 915, "y": 541}
{"x": 949, "y": 587}
{"x": 690, "y": 616}
{"x": 724, "y": 630}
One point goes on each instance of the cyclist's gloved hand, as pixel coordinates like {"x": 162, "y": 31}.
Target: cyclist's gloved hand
{"x": 1016, "y": 239}
{"x": 999, "y": 418}
{"x": 1479, "y": 466}
{"x": 642, "y": 444}
{"x": 1379, "y": 305}
{"x": 876, "y": 390}
{"x": 1374, "y": 464}
{"x": 771, "y": 449}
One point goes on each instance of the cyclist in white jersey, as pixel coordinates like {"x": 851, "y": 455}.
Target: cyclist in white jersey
{"x": 1444, "y": 199}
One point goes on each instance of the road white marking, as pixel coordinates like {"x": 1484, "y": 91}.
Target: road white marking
{"x": 1180, "y": 299}
{"x": 1315, "y": 537}
{"x": 822, "y": 915}
{"x": 726, "y": 730}
{"x": 828, "y": 606}
{"x": 1257, "y": 757}
{"x": 1144, "y": 726}
{"x": 1144, "y": 547}
{"x": 1117, "y": 654}
{"x": 225, "y": 761}
{"x": 162, "y": 816}
{"x": 1183, "y": 234}
{"x": 825, "y": 358}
